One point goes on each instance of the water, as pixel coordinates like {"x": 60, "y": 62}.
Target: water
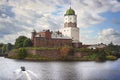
{"x": 109, "y": 70}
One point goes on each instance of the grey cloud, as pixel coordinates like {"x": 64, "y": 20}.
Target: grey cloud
{"x": 109, "y": 35}
{"x": 26, "y": 15}
{"x": 9, "y": 28}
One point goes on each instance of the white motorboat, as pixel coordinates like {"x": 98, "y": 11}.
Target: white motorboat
{"x": 23, "y": 74}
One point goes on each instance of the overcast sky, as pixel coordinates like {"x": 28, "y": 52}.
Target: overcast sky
{"x": 98, "y": 20}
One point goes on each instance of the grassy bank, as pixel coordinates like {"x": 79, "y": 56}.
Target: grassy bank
{"x": 66, "y": 54}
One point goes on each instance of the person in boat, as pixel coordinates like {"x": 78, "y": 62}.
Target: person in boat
{"x": 23, "y": 74}
{"x": 22, "y": 68}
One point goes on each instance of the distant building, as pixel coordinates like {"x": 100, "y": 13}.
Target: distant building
{"x": 95, "y": 46}
{"x": 69, "y": 35}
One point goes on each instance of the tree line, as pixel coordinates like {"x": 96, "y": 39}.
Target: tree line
{"x": 21, "y": 41}
{"x": 110, "y": 52}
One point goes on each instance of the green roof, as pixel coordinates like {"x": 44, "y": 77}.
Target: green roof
{"x": 70, "y": 12}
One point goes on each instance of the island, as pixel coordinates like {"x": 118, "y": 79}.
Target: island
{"x": 60, "y": 45}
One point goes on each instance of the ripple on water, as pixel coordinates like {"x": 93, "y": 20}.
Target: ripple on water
{"x": 108, "y": 70}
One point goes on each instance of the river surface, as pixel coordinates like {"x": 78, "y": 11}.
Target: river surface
{"x": 109, "y": 70}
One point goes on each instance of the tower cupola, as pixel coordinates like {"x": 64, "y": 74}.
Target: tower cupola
{"x": 70, "y": 18}
{"x": 70, "y": 11}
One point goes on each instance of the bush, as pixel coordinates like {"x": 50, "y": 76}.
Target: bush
{"x": 85, "y": 58}
{"x": 65, "y": 50}
{"x": 93, "y": 56}
{"x": 40, "y": 48}
{"x": 101, "y": 55}
{"x": 22, "y": 53}
{"x": 72, "y": 51}
{"x": 84, "y": 50}
{"x": 111, "y": 57}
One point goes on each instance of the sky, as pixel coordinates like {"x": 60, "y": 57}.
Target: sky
{"x": 98, "y": 20}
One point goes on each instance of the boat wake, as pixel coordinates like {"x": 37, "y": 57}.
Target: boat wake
{"x": 23, "y": 74}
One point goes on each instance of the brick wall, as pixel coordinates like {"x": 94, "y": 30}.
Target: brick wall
{"x": 80, "y": 54}
{"x": 54, "y": 53}
{"x": 44, "y": 42}
{"x": 46, "y": 53}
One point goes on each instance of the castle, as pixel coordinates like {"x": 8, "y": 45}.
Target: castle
{"x": 69, "y": 35}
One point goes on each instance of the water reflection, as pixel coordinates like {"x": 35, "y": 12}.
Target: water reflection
{"x": 108, "y": 70}
{"x": 64, "y": 71}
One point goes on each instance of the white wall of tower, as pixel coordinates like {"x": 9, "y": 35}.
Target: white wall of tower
{"x": 66, "y": 32}
{"x": 73, "y": 33}
{"x": 70, "y": 18}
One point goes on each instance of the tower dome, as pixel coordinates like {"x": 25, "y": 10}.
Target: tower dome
{"x": 70, "y": 12}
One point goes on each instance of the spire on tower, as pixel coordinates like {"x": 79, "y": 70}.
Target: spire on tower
{"x": 70, "y": 4}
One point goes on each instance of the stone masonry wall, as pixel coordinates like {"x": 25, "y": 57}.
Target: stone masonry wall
{"x": 54, "y": 53}
{"x": 44, "y": 42}
{"x": 46, "y": 53}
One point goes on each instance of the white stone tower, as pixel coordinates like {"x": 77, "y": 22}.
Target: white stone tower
{"x": 70, "y": 25}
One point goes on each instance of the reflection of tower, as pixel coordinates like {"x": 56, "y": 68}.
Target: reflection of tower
{"x": 70, "y": 25}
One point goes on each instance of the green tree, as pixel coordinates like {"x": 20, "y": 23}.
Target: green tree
{"x": 22, "y": 53}
{"x": 19, "y": 41}
{"x": 4, "y": 48}
{"x": 101, "y": 55}
{"x": 27, "y": 43}
{"x": 1, "y": 45}
{"x": 113, "y": 49}
{"x": 7, "y": 47}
